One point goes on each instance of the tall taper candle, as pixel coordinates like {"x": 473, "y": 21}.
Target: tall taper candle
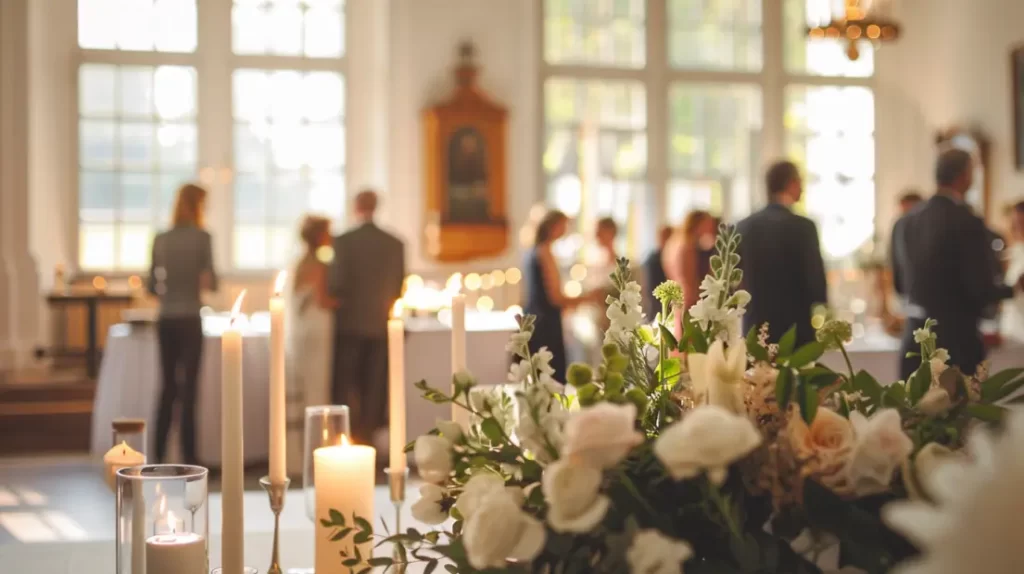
{"x": 278, "y": 464}
{"x": 396, "y": 388}
{"x": 232, "y": 516}
{"x": 459, "y": 350}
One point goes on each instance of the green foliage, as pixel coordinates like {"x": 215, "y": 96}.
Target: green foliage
{"x": 694, "y": 340}
{"x": 787, "y": 342}
{"x": 784, "y": 388}
{"x": 754, "y": 348}
{"x": 808, "y": 399}
{"x": 1001, "y": 384}
{"x": 920, "y": 381}
{"x": 806, "y": 355}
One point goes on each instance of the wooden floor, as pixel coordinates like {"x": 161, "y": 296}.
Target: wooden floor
{"x": 45, "y": 412}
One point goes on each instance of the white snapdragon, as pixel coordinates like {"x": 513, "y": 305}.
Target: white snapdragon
{"x": 625, "y": 314}
{"x": 428, "y": 509}
{"x": 654, "y": 553}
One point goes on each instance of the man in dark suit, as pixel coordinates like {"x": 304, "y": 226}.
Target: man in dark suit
{"x": 654, "y": 273}
{"x": 366, "y": 278}
{"x": 782, "y": 265}
{"x": 942, "y": 266}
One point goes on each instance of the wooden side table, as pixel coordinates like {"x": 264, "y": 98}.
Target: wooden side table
{"x": 92, "y": 302}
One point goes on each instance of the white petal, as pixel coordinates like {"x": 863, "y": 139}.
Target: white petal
{"x": 918, "y": 521}
{"x": 717, "y": 475}
{"x": 531, "y": 539}
{"x": 582, "y": 523}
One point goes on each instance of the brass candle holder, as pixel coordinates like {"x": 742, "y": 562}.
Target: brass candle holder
{"x": 396, "y": 485}
{"x": 276, "y": 493}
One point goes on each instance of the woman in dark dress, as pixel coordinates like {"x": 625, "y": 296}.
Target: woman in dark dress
{"x": 544, "y": 297}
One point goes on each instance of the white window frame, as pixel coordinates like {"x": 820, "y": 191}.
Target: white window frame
{"x": 657, "y": 75}
{"x": 214, "y": 62}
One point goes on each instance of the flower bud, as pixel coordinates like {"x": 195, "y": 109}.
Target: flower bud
{"x": 610, "y": 350}
{"x": 587, "y": 394}
{"x": 614, "y": 383}
{"x": 639, "y": 398}
{"x": 579, "y": 375}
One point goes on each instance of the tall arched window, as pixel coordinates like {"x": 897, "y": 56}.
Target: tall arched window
{"x": 653, "y": 108}
{"x": 247, "y": 96}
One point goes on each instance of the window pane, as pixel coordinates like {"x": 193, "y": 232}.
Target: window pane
{"x": 290, "y": 155}
{"x": 96, "y": 89}
{"x": 595, "y": 155}
{"x": 144, "y": 25}
{"x": 821, "y": 57}
{"x": 715, "y": 34}
{"x": 830, "y": 131}
{"x": 315, "y": 29}
{"x": 601, "y": 33}
{"x": 714, "y": 142}
{"x": 132, "y": 162}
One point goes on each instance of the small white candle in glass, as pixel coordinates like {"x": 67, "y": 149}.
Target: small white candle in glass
{"x": 171, "y": 550}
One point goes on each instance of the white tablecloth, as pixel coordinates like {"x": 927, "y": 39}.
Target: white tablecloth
{"x": 128, "y": 383}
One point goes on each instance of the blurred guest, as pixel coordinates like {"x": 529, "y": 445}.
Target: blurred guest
{"x": 605, "y": 234}
{"x": 942, "y": 264}
{"x": 1013, "y": 312}
{"x": 544, "y": 297}
{"x": 782, "y": 264}
{"x": 654, "y": 272}
{"x": 687, "y": 259}
{"x": 910, "y": 199}
{"x": 310, "y": 334}
{"x": 181, "y": 267}
{"x": 366, "y": 279}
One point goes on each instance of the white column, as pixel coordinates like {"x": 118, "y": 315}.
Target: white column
{"x": 19, "y": 283}
{"x": 773, "y": 133}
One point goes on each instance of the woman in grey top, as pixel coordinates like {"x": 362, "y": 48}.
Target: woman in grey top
{"x": 182, "y": 267}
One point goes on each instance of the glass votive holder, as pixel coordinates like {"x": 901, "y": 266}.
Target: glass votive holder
{"x": 131, "y": 432}
{"x": 162, "y": 520}
{"x": 325, "y": 425}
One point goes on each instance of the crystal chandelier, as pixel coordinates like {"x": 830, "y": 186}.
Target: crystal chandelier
{"x": 858, "y": 22}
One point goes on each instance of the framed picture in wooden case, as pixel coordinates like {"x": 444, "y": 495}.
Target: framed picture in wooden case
{"x": 464, "y": 145}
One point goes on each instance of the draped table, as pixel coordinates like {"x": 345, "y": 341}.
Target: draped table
{"x": 129, "y": 377}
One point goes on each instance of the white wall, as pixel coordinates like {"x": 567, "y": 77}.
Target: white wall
{"x": 425, "y": 39}
{"x": 950, "y": 68}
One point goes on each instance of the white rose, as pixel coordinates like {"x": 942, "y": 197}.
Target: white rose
{"x": 433, "y": 456}
{"x": 654, "y": 553}
{"x": 719, "y": 375}
{"x": 709, "y": 438}
{"x": 935, "y": 402}
{"x": 602, "y": 435}
{"x": 919, "y": 473}
{"x": 573, "y": 495}
{"x": 450, "y": 430}
{"x": 881, "y": 447}
{"x": 481, "y": 487}
{"x": 500, "y": 530}
{"x": 428, "y": 508}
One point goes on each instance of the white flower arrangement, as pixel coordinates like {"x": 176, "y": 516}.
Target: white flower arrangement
{"x": 713, "y": 462}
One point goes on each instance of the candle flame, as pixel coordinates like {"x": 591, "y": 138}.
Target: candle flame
{"x": 279, "y": 283}
{"x": 237, "y": 307}
{"x": 344, "y": 441}
{"x": 397, "y": 308}
{"x": 172, "y": 520}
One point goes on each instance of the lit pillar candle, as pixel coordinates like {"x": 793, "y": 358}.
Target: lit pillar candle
{"x": 172, "y": 551}
{"x": 278, "y": 464}
{"x": 344, "y": 481}
{"x": 118, "y": 457}
{"x": 396, "y": 388}
{"x": 458, "y": 350}
{"x": 232, "y": 515}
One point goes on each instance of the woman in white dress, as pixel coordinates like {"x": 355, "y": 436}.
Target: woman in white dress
{"x": 310, "y": 335}
{"x": 1013, "y": 310}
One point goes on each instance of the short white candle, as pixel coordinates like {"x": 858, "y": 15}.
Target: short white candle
{"x": 344, "y": 481}
{"x": 118, "y": 457}
{"x": 396, "y": 389}
{"x": 172, "y": 551}
{"x": 232, "y": 471}
{"x": 278, "y": 459}
{"x": 459, "y": 414}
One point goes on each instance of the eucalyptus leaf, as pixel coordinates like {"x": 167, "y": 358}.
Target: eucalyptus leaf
{"x": 991, "y": 387}
{"x": 807, "y": 354}
{"x": 787, "y": 342}
{"x": 363, "y": 524}
{"x": 808, "y": 398}
{"x": 920, "y": 381}
{"x": 337, "y": 518}
{"x": 784, "y": 388}
{"x": 341, "y": 534}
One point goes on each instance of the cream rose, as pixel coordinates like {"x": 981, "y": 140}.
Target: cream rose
{"x": 719, "y": 375}
{"x": 481, "y": 487}
{"x": 573, "y": 495}
{"x": 709, "y": 438}
{"x": 500, "y": 530}
{"x": 654, "y": 553}
{"x": 428, "y": 508}
{"x": 602, "y": 435}
{"x": 935, "y": 402}
{"x": 918, "y": 474}
{"x": 881, "y": 447}
{"x": 433, "y": 456}
{"x": 825, "y": 445}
